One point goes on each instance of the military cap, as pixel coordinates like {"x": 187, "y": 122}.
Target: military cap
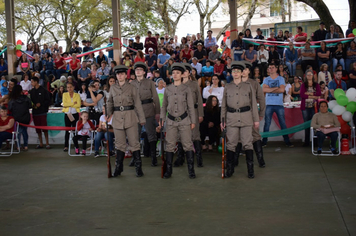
{"x": 120, "y": 68}
{"x": 238, "y": 65}
{"x": 141, "y": 65}
{"x": 188, "y": 66}
{"x": 178, "y": 66}
{"x": 247, "y": 64}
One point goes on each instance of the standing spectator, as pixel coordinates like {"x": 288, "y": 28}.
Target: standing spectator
{"x": 280, "y": 38}
{"x": 103, "y": 73}
{"x": 335, "y": 84}
{"x": 210, "y": 41}
{"x": 250, "y": 55}
{"x": 214, "y": 89}
{"x": 291, "y": 55}
{"x": 262, "y": 58}
{"x": 324, "y": 74}
{"x": 259, "y": 34}
{"x": 200, "y": 54}
{"x": 323, "y": 54}
{"x": 183, "y": 41}
{"x": 102, "y": 132}
{"x": 162, "y": 63}
{"x": 288, "y": 37}
{"x": 96, "y": 101}
{"x": 109, "y": 50}
{"x": 84, "y": 74}
{"x": 210, "y": 125}
{"x": 247, "y": 35}
{"x": 45, "y": 50}
{"x": 332, "y": 34}
{"x": 274, "y": 86}
{"x": 338, "y": 56}
{"x": 74, "y": 66}
{"x": 271, "y": 37}
{"x": 352, "y": 25}
{"x": 29, "y": 51}
{"x": 237, "y": 47}
{"x": 351, "y": 55}
{"x": 3, "y": 67}
{"x": 320, "y": 34}
{"x": 273, "y": 56}
{"x": 352, "y": 76}
{"x": 75, "y": 48}
{"x": 60, "y": 65}
{"x": 101, "y": 58}
{"x": 176, "y": 43}
{"x": 339, "y": 32}
{"x": 226, "y": 51}
{"x": 19, "y": 106}
{"x": 26, "y": 83}
{"x": 308, "y": 57}
{"x": 36, "y": 49}
{"x": 300, "y": 36}
{"x": 161, "y": 44}
{"x": 195, "y": 64}
{"x": 151, "y": 60}
{"x": 40, "y": 99}
{"x": 138, "y": 45}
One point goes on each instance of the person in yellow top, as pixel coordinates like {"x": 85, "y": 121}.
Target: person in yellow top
{"x": 71, "y": 106}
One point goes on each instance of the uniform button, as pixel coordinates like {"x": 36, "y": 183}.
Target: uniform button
{"x": 237, "y": 94}
{"x": 175, "y": 94}
{"x": 238, "y": 120}
{"x": 175, "y": 103}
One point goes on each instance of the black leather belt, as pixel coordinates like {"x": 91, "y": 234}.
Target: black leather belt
{"x": 240, "y": 110}
{"x": 124, "y": 108}
{"x": 179, "y": 118}
{"x": 196, "y": 105}
{"x": 147, "y": 101}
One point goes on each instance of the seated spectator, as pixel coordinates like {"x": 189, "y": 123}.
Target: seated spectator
{"x": 74, "y": 66}
{"x": 3, "y": 67}
{"x": 206, "y": 87}
{"x": 126, "y": 61}
{"x": 170, "y": 51}
{"x": 211, "y": 123}
{"x": 335, "y": 84}
{"x": 300, "y": 36}
{"x": 248, "y": 35}
{"x": 75, "y": 48}
{"x": 214, "y": 54}
{"x": 4, "y": 90}
{"x": 162, "y": 63}
{"x": 112, "y": 65}
{"x": 200, "y": 54}
{"x": 291, "y": 55}
{"x": 219, "y": 69}
{"x": 308, "y": 57}
{"x": 350, "y": 55}
{"x": 6, "y": 125}
{"x": 352, "y": 25}
{"x": 257, "y": 75}
{"x": 47, "y": 66}
{"x": 139, "y": 57}
{"x": 29, "y": 51}
{"x": 262, "y": 59}
{"x": 19, "y": 106}
{"x": 199, "y": 40}
{"x": 151, "y": 60}
{"x": 250, "y": 55}
{"x": 226, "y": 51}
{"x": 150, "y": 42}
{"x": 59, "y": 97}
{"x": 332, "y": 34}
{"x": 195, "y": 64}
{"x": 309, "y": 67}
{"x": 323, "y": 121}
{"x": 176, "y": 54}
{"x": 45, "y": 50}
{"x": 338, "y": 56}
{"x": 24, "y": 65}
{"x": 101, "y": 58}
{"x": 37, "y": 66}
{"x": 103, "y": 73}
{"x": 223, "y": 83}
{"x": 352, "y": 76}
{"x": 58, "y": 83}
{"x": 323, "y": 54}
{"x": 101, "y": 132}
{"x": 280, "y": 38}
{"x": 237, "y": 47}
{"x": 273, "y": 55}
{"x": 137, "y": 45}
{"x": 210, "y": 41}
{"x": 83, "y": 73}
{"x": 287, "y": 95}
{"x": 296, "y": 89}
{"x": 156, "y": 76}
{"x": 169, "y": 70}
{"x": 84, "y": 127}
{"x": 207, "y": 70}
{"x": 320, "y": 34}
{"x": 194, "y": 75}
{"x": 214, "y": 89}
{"x": 91, "y": 58}
{"x": 26, "y": 83}
{"x": 324, "y": 90}
{"x": 83, "y": 93}
{"x": 227, "y": 71}
{"x": 61, "y": 65}
{"x": 70, "y": 80}
{"x": 324, "y": 74}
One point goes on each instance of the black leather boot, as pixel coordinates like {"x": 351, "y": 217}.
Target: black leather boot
{"x": 169, "y": 160}
{"x": 198, "y": 154}
{"x": 132, "y": 162}
{"x": 237, "y": 154}
{"x": 119, "y": 163}
{"x": 180, "y": 156}
{"x": 138, "y": 163}
{"x": 190, "y": 163}
{"x": 230, "y": 165}
{"x": 257, "y": 146}
{"x": 249, "y": 161}
{"x": 153, "y": 153}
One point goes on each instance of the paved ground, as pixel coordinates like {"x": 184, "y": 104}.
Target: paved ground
{"x": 46, "y": 192}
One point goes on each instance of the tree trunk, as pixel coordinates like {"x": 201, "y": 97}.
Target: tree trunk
{"x": 283, "y": 10}
{"x": 352, "y": 5}
{"x": 202, "y": 25}
{"x": 289, "y": 10}
{"x": 250, "y": 14}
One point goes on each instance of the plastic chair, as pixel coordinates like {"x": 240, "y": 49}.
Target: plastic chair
{"x": 324, "y": 153}
{"x": 90, "y": 139}
{"x": 13, "y": 141}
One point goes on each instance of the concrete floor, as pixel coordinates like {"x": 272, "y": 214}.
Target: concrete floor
{"x": 46, "y": 192}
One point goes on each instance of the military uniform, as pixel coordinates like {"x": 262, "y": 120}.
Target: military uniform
{"x": 199, "y": 112}
{"x": 151, "y": 107}
{"x": 178, "y": 112}
{"x": 125, "y": 105}
{"x": 239, "y": 111}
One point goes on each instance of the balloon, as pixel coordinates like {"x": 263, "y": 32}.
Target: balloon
{"x": 19, "y": 42}
{"x": 342, "y": 100}
{"x": 332, "y": 104}
{"x": 347, "y": 116}
{"x": 351, "y": 94}
{"x": 19, "y": 47}
{"x": 351, "y": 107}
{"x": 220, "y": 149}
{"x": 338, "y": 92}
{"x": 351, "y": 35}
{"x": 224, "y": 39}
{"x": 227, "y": 33}
{"x": 354, "y": 31}
{"x": 338, "y": 110}
{"x": 345, "y": 129}
{"x": 342, "y": 122}
{"x": 18, "y": 53}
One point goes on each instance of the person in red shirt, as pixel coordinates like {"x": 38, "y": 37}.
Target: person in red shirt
{"x": 150, "y": 42}
{"x": 6, "y": 125}
{"x": 84, "y": 127}
{"x": 300, "y": 36}
{"x": 139, "y": 57}
{"x": 219, "y": 68}
{"x": 74, "y": 66}
{"x": 60, "y": 64}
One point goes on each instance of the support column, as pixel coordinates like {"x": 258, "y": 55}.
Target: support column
{"x": 10, "y": 35}
{"x": 233, "y": 19}
{"x": 116, "y": 22}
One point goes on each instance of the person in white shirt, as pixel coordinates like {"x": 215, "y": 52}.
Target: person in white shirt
{"x": 214, "y": 89}
{"x": 262, "y": 58}
{"x": 195, "y": 64}
{"x": 160, "y": 86}
{"x": 102, "y": 132}
{"x": 26, "y": 83}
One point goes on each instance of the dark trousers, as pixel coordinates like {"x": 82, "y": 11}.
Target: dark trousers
{"x": 4, "y": 135}
{"x": 263, "y": 68}
{"x": 84, "y": 140}
{"x": 212, "y": 133}
{"x": 69, "y": 123}
{"x": 308, "y": 115}
{"x": 305, "y": 63}
{"x": 321, "y": 137}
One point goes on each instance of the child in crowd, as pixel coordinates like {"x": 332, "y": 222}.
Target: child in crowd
{"x": 4, "y": 90}
{"x": 3, "y": 79}
{"x": 84, "y": 127}
{"x": 156, "y": 75}
{"x": 324, "y": 90}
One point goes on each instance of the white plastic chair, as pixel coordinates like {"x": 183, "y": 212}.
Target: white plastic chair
{"x": 13, "y": 141}
{"x": 324, "y": 153}
{"x": 90, "y": 139}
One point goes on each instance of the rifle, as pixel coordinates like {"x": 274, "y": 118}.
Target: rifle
{"x": 164, "y": 166}
{"x": 107, "y": 141}
{"x": 223, "y": 146}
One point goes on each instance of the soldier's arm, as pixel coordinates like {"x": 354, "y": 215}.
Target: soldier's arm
{"x": 261, "y": 100}
{"x": 110, "y": 103}
{"x": 164, "y": 106}
{"x": 190, "y": 104}
{"x": 155, "y": 98}
{"x": 138, "y": 106}
{"x": 223, "y": 106}
{"x": 200, "y": 102}
{"x": 255, "y": 115}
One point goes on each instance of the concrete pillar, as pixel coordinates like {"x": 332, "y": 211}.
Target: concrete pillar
{"x": 116, "y": 22}
{"x": 10, "y": 35}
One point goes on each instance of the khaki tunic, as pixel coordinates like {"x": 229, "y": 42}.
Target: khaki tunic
{"x": 125, "y": 122}
{"x": 239, "y": 125}
{"x": 176, "y": 101}
{"x": 199, "y": 112}
{"x": 147, "y": 90}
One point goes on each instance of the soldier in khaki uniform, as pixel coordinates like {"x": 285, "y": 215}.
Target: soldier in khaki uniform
{"x": 199, "y": 114}
{"x": 239, "y": 114}
{"x": 125, "y": 105}
{"x": 257, "y": 142}
{"x": 178, "y": 112}
{"x": 150, "y": 103}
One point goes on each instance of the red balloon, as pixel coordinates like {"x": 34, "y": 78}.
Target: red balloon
{"x": 350, "y": 35}
{"x": 225, "y": 38}
{"x": 19, "y": 42}
{"x": 345, "y": 129}
{"x": 342, "y": 122}
{"x": 18, "y": 53}
{"x": 227, "y": 33}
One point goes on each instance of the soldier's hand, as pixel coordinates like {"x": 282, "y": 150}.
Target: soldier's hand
{"x": 222, "y": 126}
{"x": 192, "y": 126}
{"x": 257, "y": 125}
{"x": 200, "y": 119}
{"x": 157, "y": 118}
{"x": 142, "y": 124}
{"x": 261, "y": 118}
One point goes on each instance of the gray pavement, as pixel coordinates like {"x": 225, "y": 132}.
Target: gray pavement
{"x": 46, "y": 192}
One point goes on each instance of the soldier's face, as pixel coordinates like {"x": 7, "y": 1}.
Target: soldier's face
{"x": 246, "y": 72}
{"x": 186, "y": 74}
{"x": 139, "y": 72}
{"x": 121, "y": 76}
{"x": 236, "y": 73}
{"x": 177, "y": 75}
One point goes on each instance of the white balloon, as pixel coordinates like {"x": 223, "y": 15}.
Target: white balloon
{"x": 332, "y": 104}
{"x": 347, "y": 116}
{"x": 351, "y": 94}
{"x": 338, "y": 110}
